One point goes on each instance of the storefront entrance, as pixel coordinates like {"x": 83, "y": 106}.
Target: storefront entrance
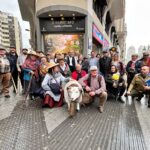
{"x": 63, "y": 34}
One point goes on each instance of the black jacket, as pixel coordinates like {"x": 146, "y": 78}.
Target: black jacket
{"x": 73, "y": 61}
{"x": 131, "y": 72}
{"x": 13, "y": 62}
{"x": 105, "y": 65}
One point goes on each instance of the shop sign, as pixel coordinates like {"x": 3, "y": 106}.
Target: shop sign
{"x": 99, "y": 36}
{"x": 67, "y": 25}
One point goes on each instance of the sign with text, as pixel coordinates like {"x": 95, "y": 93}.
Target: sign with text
{"x": 99, "y": 36}
{"x": 67, "y": 25}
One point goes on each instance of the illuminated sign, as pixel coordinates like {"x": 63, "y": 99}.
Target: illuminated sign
{"x": 99, "y": 36}
{"x": 57, "y": 25}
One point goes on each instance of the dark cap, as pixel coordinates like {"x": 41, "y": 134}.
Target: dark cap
{"x": 12, "y": 47}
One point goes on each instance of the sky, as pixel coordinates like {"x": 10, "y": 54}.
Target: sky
{"x": 137, "y": 19}
{"x": 138, "y": 22}
{"x": 11, "y": 6}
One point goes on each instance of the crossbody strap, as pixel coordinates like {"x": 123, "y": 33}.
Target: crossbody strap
{"x": 56, "y": 81}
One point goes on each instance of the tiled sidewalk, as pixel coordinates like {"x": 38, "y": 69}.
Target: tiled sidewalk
{"x": 35, "y": 128}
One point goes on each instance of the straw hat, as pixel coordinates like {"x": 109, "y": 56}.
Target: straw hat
{"x": 2, "y": 49}
{"x": 51, "y": 65}
{"x": 33, "y": 53}
{"x": 145, "y": 54}
{"x": 135, "y": 55}
{"x": 42, "y": 56}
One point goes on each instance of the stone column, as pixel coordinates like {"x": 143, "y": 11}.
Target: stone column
{"x": 88, "y": 29}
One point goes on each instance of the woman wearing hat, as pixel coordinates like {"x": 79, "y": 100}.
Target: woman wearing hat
{"x": 52, "y": 85}
{"x": 43, "y": 67}
{"x": 64, "y": 68}
{"x": 30, "y": 71}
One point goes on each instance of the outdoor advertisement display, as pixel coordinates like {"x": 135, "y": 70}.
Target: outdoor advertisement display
{"x": 63, "y": 43}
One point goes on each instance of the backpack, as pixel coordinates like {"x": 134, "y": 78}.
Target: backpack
{"x": 89, "y": 80}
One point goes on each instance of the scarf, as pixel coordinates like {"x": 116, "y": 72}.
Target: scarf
{"x": 32, "y": 65}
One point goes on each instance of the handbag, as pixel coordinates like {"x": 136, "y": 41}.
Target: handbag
{"x": 55, "y": 87}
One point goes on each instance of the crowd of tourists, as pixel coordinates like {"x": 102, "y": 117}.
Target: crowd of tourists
{"x": 101, "y": 75}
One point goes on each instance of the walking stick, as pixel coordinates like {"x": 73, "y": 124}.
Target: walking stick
{"x": 28, "y": 89}
{"x": 14, "y": 85}
{"x": 19, "y": 81}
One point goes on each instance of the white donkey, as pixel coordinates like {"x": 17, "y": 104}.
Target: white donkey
{"x": 73, "y": 93}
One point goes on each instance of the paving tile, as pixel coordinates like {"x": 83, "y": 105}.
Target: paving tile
{"x": 35, "y": 128}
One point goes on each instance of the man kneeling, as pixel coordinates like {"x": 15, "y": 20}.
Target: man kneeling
{"x": 94, "y": 85}
{"x": 140, "y": 84}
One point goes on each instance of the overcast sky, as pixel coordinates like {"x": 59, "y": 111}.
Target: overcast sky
{"x": 137, "y": 19}
{"x": 138, "y": 22}
{"x": 11, "y": 6}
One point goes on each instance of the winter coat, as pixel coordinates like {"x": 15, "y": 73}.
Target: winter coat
{"x": 130, "y": 71}
{"x": 13, "y": 62}
{"x": 75, "y": 75}
{"x": 105, "y": 65}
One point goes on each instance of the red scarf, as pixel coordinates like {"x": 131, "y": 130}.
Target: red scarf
{"x": 32, "y": 65}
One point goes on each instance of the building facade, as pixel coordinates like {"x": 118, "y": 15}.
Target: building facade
{"x": 10, "y": 32}
{"x": 82, "y": 25}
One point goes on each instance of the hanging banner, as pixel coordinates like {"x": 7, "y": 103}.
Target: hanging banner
{"x": 99, "y": 36}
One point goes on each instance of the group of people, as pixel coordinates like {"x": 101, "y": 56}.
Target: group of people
{"x": 101, "y": 75}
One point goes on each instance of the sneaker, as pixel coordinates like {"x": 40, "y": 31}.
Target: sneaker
{"x": 120, "y": 99}
{"x": 7, "y": 96}
{"x": 138, "y": 99}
